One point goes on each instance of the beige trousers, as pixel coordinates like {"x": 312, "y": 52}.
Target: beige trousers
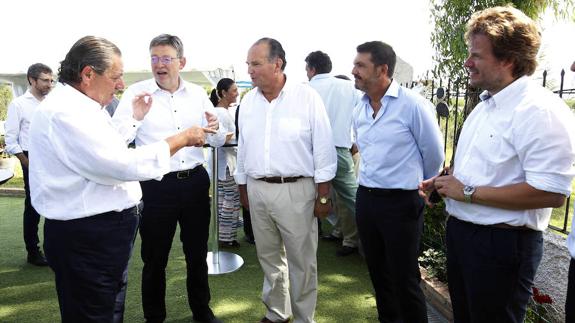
{"x": 285, "y": 231}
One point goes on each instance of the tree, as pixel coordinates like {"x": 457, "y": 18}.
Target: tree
{"x": 5, "y": 99}
{"x": 450, "y": 17}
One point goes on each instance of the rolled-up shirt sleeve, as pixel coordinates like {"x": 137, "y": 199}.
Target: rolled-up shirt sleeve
{"x": 540, "y": 135}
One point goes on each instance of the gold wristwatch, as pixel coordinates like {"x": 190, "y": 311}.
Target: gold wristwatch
{"x": 323, "y": 200}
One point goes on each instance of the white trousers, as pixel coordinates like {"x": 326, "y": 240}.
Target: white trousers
{"x": 285, "y": 231}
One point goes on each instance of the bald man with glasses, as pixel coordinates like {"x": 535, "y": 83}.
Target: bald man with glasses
{"x": 17, "y": 126}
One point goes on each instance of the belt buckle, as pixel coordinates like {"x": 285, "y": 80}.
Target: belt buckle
{"x": 183, "y": 174}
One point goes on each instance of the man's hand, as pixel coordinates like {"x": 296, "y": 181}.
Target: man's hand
{"x": 353, "y": 150}
{"x": 196, "y": 136}
{"x": 428, "y": 186}
{"x": 244, "y": 196}
{"x": 141, "y": 105}
{"x": 213, "y": 122}
{"x": 23, "y": 159}
{"x": 451, "y": 187}
{"x": 321, "y": 211}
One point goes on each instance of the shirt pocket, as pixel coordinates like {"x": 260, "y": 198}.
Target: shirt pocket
{"x": 289, "y": 129}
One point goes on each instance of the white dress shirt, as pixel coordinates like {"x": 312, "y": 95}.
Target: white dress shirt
{"x": 80, "y": 165}
{"x": 170, "y": 114}
{"x": 289, "y": 136}
{"x": 402, "y": 145}
{"x": 571, "y": 240}
{"x": 521, "y": 134}
{"x": 340, "y": 98}
{"x": 17, "y": 126}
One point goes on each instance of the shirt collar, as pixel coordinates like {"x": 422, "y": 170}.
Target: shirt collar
{"x": 153, "y": 86}
{"x": 288, "y": 86}
{"x": 320, "y": 76}
{"x": 508, "y": 95}
{"x": 81, "y": 97}
{"x": 392, "y": 91}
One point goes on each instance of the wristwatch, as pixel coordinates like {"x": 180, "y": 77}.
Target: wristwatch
{"x": 323, "y": 200}
{"x": 468, "y": 191}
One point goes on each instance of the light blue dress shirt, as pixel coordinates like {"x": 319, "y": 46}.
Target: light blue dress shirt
{"x": 402, "y": 145}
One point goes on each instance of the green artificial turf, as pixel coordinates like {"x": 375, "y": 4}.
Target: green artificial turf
{"x": 27, "y": 293}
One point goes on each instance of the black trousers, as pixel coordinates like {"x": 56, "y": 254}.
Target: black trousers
{"x": 570, "y": 302}
{"x": 31, "y": 217}
{"x": 89, "y": 257}
{"x": 490, "y": 271}
{"x": 248, "y": 231}
{"x": 390, "y": 224}
{"x": 173, "y": 201}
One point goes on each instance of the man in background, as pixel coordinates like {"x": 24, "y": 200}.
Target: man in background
{"x": 17, "y": 126}
{"x": 340, "y": 98}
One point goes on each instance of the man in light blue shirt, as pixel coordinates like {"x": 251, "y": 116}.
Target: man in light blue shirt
{"x": 400, "y": 144}
{"x": 339, "y": 97}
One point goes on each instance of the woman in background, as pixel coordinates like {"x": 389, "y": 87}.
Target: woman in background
{"x": 223, "y": 97}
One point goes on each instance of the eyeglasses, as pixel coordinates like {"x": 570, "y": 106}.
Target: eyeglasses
{"x": 51, "y": 81}
{"x": 166, "y": 60}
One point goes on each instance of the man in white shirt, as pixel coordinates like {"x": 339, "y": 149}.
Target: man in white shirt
{"x": 286, "y": 159}
{"x": 180, "y": 197}
{"x": 17, "y": 126}
{"x": 340, "y": 98}
{"x": 83, "y": 180}
{"x": 513, "y": 164}
{"x": 570, "y": 301}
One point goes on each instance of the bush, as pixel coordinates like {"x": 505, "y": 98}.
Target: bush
{"x": 5, "y": 99}
{"x": 433, "y": 258}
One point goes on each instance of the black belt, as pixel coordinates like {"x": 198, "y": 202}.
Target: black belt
{"x": 183, "y": 174}
{"x": 279, "y": 179}
{"x": 381, "y": 191}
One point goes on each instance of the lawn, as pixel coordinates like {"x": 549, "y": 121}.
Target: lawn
{"x": 27, "y": 293}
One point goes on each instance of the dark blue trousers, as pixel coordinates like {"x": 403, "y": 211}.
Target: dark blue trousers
{"x": 390, "y": 224}
{"x": 490, "y": 271}
{"x": 31, "y": 218}
{"x": 89, "y": 257}
{"x": 174, "y": 200}
{"x": 570, "y": 302}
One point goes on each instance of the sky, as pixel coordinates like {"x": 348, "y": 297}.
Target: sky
{"x": 219, "y": 33}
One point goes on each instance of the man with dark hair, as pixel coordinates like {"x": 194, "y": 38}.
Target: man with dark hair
{"x": 181, "y": 196}
{"x": 17, "y": 126}
{"x": 83, "y": 180}
{"x": 286, "y": 159}
{"x": 339, "y": 98}
{"x": 513, "y": 164}
{"x": 400, "y": 145}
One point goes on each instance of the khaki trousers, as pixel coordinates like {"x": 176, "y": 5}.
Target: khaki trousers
{"x": 285, "y": 230}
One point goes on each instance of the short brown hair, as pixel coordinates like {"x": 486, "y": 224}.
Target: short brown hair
{"x": 514, "y": 37}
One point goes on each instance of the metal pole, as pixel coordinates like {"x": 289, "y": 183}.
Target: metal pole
{"x": 219, "y": 262}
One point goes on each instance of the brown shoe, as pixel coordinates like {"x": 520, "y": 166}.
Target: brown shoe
{"x": 266, "y": 320}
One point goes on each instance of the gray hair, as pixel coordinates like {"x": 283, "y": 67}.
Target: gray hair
{"x": 276, "y": 50}
{"x": 169, "y": 40}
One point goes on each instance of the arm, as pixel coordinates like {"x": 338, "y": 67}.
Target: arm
{"x": 322, "y": 210}
{"x": 12, "y": 130}
{"x": 428, "y": 138}
{"x": 130, "y": 112}
{"x": 520, "y": 196}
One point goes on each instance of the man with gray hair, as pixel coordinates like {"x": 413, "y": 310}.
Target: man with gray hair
{"x": 181, "y": 196}
{"x": 83, "y": 180}
{"x": 17, "y": 126}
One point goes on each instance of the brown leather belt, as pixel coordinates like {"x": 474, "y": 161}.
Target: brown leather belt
{"x": 279, "y": 179}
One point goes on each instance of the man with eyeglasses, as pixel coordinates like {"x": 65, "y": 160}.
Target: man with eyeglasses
{"x": 17, "y": 128}
{"x": 181, "y": 196}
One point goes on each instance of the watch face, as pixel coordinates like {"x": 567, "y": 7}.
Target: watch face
{"x": 468, "y": 190}
{"x": 323, "y": 200}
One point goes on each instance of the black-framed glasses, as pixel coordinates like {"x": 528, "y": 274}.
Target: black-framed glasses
{"x": 47, "y": 80}
{"x": 166, "y": 60}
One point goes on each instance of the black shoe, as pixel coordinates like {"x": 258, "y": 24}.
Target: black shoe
{"x": 330, "y": 237}
{"x": 229, "y": 244}
{"x": 37, "y": 258}
{"x": 345, "y": 251}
